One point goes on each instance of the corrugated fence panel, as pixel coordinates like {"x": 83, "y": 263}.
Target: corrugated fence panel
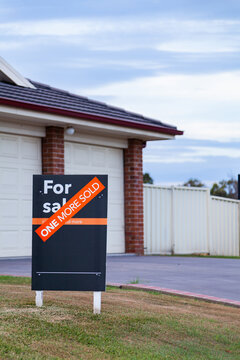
{"x": 224, "y": 227}
{"x": 190, "y": 220}
{"x": 157, "y": 220}
{"x": 185, "y": 220}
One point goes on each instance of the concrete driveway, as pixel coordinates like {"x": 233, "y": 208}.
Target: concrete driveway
{"x": 207, "y": 276}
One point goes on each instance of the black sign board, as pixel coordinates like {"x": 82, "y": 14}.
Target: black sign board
{"x": 69, "y": 232}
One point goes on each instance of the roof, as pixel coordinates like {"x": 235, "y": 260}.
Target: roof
{"x": 45, "y": 98}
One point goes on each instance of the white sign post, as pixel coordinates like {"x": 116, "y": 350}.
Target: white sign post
{"x": 39, "y": 298}
{"x": 97, "y": 302}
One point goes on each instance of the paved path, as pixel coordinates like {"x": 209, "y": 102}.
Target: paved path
{"x": 207, "y": 276}
{"x": 19, "y": 267}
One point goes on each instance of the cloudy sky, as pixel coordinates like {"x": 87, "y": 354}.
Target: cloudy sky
{"x": 177, "y": 61}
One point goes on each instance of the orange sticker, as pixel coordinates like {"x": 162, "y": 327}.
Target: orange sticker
{"x": 68, "y": 210}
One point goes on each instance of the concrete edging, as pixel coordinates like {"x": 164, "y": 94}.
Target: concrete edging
{"x": 187, "y": 294}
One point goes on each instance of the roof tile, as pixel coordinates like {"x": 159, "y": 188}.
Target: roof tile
{"x": 60, "y": 99}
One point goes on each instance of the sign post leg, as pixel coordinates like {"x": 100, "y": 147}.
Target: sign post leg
{"x": 39, "y": 298}
{"x": 97, "y": 302}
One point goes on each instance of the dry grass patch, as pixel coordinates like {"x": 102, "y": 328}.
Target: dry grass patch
{"x": 133, "y": 325}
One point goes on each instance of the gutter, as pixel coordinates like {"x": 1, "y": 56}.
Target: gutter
{"x": 87, "y": 116}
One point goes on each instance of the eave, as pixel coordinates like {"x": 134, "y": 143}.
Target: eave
{"x": 88, "y": 116}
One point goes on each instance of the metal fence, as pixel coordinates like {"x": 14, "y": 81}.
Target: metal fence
{"x": 182, "y": 220}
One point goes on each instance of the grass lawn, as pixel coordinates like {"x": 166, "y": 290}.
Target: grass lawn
{"x": 133, "y": 325}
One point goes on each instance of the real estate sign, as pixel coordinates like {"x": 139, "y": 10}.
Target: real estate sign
{"x": 69, "y": 229}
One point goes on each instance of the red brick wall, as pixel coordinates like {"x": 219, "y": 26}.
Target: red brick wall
{"x": 53, "y": 151}
{"x": 133, "y": 193}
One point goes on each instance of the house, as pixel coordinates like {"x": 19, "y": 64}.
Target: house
{"x": 44, "y": 130}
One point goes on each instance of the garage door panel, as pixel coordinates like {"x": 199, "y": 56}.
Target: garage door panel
{"x": 26, "y": 212}
{"x": 15, "y": 242}
{"x": 29, "y": 150}
{"x": 9, "y": 147}
{"x": 90, "y": 159}
{"x": 9, "y": 180}
{"x": 20, "y": 158}
{"x": 25, "y": 243}
{"x": 26, "y": 178}
{"x": 115, "y": 243}
{"x": 98, "y": 158}
{"x": 115, "y": 195}
{"x": 115, "y": 159}
{"x": 115, "y": 188}
{"x": 81, "y": 155}
{"x": 68, "y": 153}
{"x": 9, "y": 238}
{"x": 8, "y": 241}
{"x": 9, "y": 211}
{"x": 115, "y": 213}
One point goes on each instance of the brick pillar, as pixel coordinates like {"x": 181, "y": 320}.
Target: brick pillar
{"x": 133, "y": 193}
{"x": 53, "y": 151}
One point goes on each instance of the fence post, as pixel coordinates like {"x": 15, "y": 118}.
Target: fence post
{"x": 209, "y": 221}
{"x": 172, "y": 222}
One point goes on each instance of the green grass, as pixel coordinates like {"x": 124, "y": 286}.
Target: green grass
{"x": 17, "y": 280}
{"x": 133, "y": 325}
{"x": 135, "y": 281}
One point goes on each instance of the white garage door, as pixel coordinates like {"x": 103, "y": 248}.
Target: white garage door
{"x": 89, "y": 159}
{"x": 20, "y": 158}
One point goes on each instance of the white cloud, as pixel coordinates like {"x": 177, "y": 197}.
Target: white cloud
{"x": 124, "y": 33}
{"x": 224, "y": 129}
{"x": 215, "y": 87}
{"x": 54, "y": 27}
{"x": 199, "y": 46}
{"x": 192, "y": 154}
{"x": 79, "y": 26}
{"x": 206, "y": 151}
{"x": 11, "y": 45}
{"x": 204, "y": 106}
{"x": 96, "y": 62}
{"x": 172, "y": 159}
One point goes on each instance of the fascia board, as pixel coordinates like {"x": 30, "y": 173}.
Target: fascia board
{"x": 93, "y": 139}
{"x": 46, "y": 119}
{"x": 20, "y": 128}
